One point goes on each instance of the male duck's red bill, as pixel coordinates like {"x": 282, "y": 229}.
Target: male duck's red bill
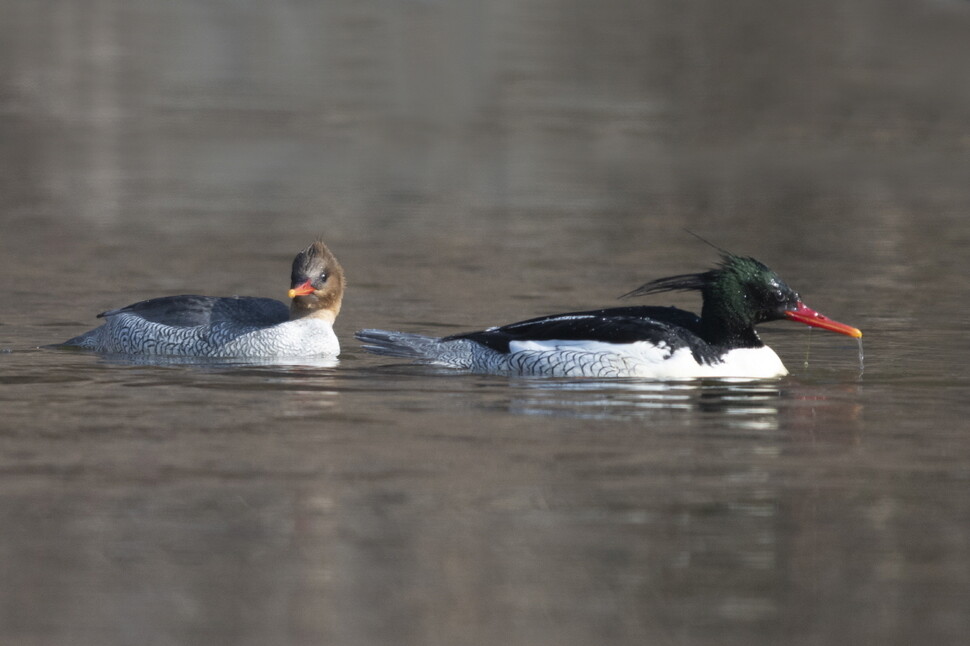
{"x": 808, "y": 316}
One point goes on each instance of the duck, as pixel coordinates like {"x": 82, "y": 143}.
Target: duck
{"x": 245, "y": 327}
{"x": 652, "y": 342}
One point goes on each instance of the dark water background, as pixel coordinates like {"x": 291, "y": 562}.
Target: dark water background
{"x": 474, "y": 164}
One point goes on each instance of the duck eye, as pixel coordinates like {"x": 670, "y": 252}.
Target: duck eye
{"x": 323, "y": 277}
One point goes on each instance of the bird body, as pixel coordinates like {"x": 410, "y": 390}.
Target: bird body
{"x": 647, "y": 342}
{"x": 232, "y": 327}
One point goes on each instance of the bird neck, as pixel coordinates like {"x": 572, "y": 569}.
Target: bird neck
{"x": 723, "y": 320}
{"x": 325, "y": 309}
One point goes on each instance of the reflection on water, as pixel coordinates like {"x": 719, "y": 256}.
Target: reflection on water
{"x": 743, "y": 403}
{"x": 209, "y": 364}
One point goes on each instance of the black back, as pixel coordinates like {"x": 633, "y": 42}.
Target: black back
{"x": 668, "y": 325}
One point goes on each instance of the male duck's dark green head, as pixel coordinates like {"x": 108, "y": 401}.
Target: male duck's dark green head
{"x": 738, "y": 294}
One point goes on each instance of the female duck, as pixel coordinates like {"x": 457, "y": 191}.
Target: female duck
{"x": 650, "y": 342}
{"x": 236, "y": 326}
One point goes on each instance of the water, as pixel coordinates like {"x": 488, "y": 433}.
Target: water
{"x": 469, "y": 167}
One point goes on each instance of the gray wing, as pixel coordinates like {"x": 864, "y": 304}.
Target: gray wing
{"x": 189, "y": 310}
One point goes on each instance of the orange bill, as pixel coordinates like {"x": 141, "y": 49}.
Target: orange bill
{"x": 301, "y": 290}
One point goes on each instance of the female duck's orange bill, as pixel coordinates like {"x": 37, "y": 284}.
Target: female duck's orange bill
{"x": 301, "y": 290}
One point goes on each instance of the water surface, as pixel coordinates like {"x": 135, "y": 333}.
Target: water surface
{"x": 475, "y": 166}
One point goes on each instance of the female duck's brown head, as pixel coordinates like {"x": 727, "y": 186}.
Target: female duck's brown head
{"x": 316, "y": 284}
